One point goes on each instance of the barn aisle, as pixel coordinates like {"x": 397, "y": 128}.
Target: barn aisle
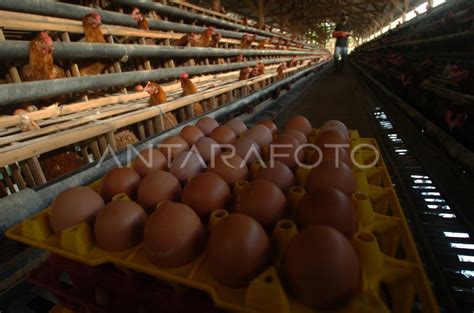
{"x": 332, "y": 96}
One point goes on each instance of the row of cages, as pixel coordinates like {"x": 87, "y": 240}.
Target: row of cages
{"x": 428, "y": 63}
{"x": 108, "y": 76}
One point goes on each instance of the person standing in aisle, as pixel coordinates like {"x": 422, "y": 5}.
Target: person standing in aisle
{"x": 341, "y": 33}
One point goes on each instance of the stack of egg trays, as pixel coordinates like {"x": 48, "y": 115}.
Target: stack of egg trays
{"x": 393, "y": 277}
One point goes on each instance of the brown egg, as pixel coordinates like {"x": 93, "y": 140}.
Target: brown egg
{"x": 238, "y": 250}
{"x": 331, "y": 137}
{"x": 237, "y": 126}
{"x": 330, "y": 207}
{"x": 187, "y": 164}
{"x": 19, "y": 112}
{"x": 260, "y": 134}
{"x": 207, "y": 124}
{"x": 222, "y": 135}
{"x": 74, "y": 206}
{"x": 297, "y": 135}
{"x": 230, "y": 167}
{"x": 119, "y": 225}
{"x": 334, "y": 124}
{"x": 157, "y": 187}
{"x": 149, "y": 160}
{"x": 247, "y": 149}
{"x": 263, "y": 201}
{"x": 300, "y": 123}
{"x": 321, "y": 267}
{"x": 333, "y": 153}
{"x": 327, "y": 175}
{"x": 119, "y": 180}
{"x": 279, "y": 174}
{"x": 174, "y": 235}
{"x": 172, "y": 146}
{"x": 285, "y": 149}
{"x": 207, "y": 148}
{"x": 138, "y": 88}
{"x": 205, "y": 193}
{"x": 191, "y": 134}
{"x": 269, "y": 123}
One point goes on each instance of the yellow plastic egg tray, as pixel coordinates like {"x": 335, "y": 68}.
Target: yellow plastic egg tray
{"x": 393, "y": 278}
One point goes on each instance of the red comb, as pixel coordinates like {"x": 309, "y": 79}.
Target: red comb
{"x": 135, "y": 10}
{"x": 96, "y": 15}
{"x": 45, "y": 37}
{"x": 183, "y": 75}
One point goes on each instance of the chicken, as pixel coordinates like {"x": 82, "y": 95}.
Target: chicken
{"x": 280, "y": 69}
{"x": 188, "y": 89}
{"x": 216, "y": 37}
{"x": 93, "y": 34}
{"x": 245, "y": 21}
{"x": 157, "y": 97}
{"x": 140, "y": 19}
{"x": 244, "y": 73}
{"x": 276, "y": 41}
{"x": 262, "y": 43}
{"x": 292, "y": 63}
{"x": 280, "y": 76}
{"x": 156, "y": 92}
{"x": 247, "y": 40}
{"x": 238, "y": 58}
{"x": 188, "y": 39}
{"x": 206, "y": 37}
{"x": 216, "y": 5}
{"x": 91, "y": 24}
{"x": 261, "y": 68}
{"x": 254, "y": 72}
{"x": 41, "y": 65}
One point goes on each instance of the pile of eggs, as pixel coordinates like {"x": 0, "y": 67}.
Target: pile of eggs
{"x": 168, "y": 195}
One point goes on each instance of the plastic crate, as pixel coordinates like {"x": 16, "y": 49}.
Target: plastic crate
{"x": 393, "y": 278}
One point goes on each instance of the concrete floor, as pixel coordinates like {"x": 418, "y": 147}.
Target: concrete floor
{"x": 331, "y": 96}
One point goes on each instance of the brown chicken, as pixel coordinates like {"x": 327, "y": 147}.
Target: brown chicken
{"x": 280, "y": 76}
{"x": 41, "y": 65}
{"x": 262, "y": 43}
{"x": 292, "y": 63}
{"x": 188, "y": 39}
{"x": 158, "y": 96}
{"x": 206, "y": 37}
{"x": 216, "y": 37}
{"x": 247, "y": 40}
{"x": 261, "y": 68}
{"x": 254, "y": 72}
{"x": 156, "y": 92}
{"x": 238, "y": 58}
{"x": 140, "y": 19}
{"x": 280, "y": 69}
{"x": 188, "y": 89}
{"x": 216, "y": 5}
{"x": 91, "y": 24}
{"x": 244, "y": 73}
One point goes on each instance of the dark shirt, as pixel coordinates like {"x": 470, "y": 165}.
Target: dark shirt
{"x": 343, "y": 41}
